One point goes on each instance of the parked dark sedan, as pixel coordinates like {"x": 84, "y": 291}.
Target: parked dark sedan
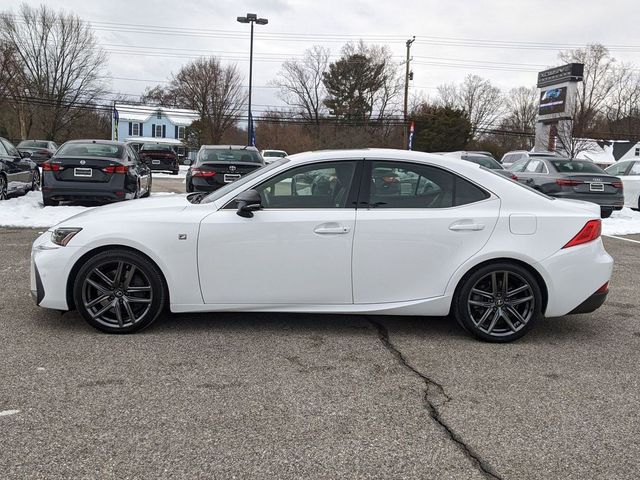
{"x": 17, "y": 173}
{"x": 38, "y": 150}
{"x": 573, "y": 179}
{"x": 159, "y": 157}
{"x": 94, "y": 170}
{"x": 218, "y": 165}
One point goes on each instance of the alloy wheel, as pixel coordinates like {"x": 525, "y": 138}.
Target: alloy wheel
{"x": 117, "y": 294}
{"x": 3, "y": 188}
{"x": 501, "y": 303}
{"x": 35, "y": 180}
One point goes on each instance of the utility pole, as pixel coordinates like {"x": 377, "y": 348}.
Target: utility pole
{"x": 406, "y": 92}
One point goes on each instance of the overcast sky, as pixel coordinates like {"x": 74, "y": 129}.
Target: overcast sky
{"x": 491, "y": 38}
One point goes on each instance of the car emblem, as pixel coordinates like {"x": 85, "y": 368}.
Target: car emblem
{"x": 597, "y": 179}
{"x": 232, "y": 168}
{"x": 82, "y": 162}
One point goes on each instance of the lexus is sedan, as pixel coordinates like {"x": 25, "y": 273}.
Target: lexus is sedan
{"x": 457, "y": 239}
{"x": 94, "y": 170}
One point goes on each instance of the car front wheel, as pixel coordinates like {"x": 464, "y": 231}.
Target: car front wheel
{"x": 498, "y": 302}
{"x": 35, "y": 180}
{"x": 3, "y": 187}
{"x": 119, "y": 291}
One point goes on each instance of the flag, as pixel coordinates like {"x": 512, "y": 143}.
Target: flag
{"x": 253, "y": 132}
{"x": 116, "y": 120}
{"x": 412, "y": 127}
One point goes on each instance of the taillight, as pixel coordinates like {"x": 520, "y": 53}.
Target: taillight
{"x": 616, "y": 184}
{"x": 116, "y": 169}
{"x": 52, "y": 167}
{"x": 604, "y": 288}
{"x": 589, "y": 232}
{"x": 565, "y": 182}
{"x": 43, "y": 152}
{"x": 514, "y": 177}
{"x": 197, "y": 172}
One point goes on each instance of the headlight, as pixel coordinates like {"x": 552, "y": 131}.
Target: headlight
{"x": 62, "y": 236}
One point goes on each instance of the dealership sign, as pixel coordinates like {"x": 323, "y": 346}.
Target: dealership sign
{"x": 571, "y": 72}
{"x": 553, "y": 100}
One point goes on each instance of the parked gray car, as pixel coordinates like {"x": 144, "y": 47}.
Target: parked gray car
{"x": 572, "y": 179}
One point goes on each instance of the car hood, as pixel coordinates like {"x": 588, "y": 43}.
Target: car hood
{"x": 156, "y": 207}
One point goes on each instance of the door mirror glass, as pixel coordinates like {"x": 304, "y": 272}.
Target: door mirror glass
{"x": 248, "y": 202}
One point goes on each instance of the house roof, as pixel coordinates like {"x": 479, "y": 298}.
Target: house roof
{"x": 168, "y": 141}
{"x": 143, "y": 113}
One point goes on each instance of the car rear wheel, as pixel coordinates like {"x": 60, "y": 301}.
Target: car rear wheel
{"x": 148, "y": 192}
{"x": 47, "y": 202}
{"x": 35, "y": 180}
{"x": 190, "y": 187}
{"x": 499, "y": 302}
{"x": 3, "y": 187}
{"x": 605, "y": 212}
{"x": 119, "y": 291}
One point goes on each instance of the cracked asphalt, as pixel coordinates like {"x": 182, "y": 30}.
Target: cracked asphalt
{"x": 311, "y": 396}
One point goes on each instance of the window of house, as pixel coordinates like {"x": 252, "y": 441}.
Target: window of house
{"x": 180, "y": 132}
{"x": 158, "y": 130}
{"x": 158, "y": 114}
{"x": 324, "y": 185}
{"x": 135, "y": 129}
{"x": 406, "y": 185}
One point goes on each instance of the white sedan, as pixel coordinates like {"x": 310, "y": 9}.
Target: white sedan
{"x": 386, "y": 232}
{"x": 629, "y": 173}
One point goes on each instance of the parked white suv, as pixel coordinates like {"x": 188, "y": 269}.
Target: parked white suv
{"x": 510, "y": 158}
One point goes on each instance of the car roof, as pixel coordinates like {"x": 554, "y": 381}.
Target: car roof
{"x": 98, "y": 142}
{"x": 229, "y": 147}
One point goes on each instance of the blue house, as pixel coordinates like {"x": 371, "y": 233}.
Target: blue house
{"x": 142, "y": 123}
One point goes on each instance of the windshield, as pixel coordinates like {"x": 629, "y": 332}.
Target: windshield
{"x": 487, "y": 162}
{"x": 221, "y": 192}
{"x": 90, "y": 149}
{"x": 228, "y": 155}
{"x": 33, "y": 144}
{"x": 156, "y": 147}
{"x": 576, "y": 166}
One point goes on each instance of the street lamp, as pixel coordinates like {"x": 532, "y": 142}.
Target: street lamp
{"x": 251, "y": 18}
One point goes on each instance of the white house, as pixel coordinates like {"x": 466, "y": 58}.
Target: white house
{"x": 142, "y": 123}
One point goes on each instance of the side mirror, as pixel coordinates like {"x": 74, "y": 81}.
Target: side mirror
{"x": 25, "y": 154}
{"x": 248, "y": 202}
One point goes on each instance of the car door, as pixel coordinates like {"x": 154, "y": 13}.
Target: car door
{"x": 295, "y": 250}
{"x": 631, "y": 183}
{"x": 10, "y": 170}
{"x": 19, "y": 169}
{"x": 416, "y": 224}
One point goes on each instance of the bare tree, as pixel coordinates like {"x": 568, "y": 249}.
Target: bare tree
{"x": 622, "y": 106}
{"x": 214, "y": 91}
{"x": 300, "y": 84}
{"x": 481, "y": 101}
{"x": 60, "y": 65}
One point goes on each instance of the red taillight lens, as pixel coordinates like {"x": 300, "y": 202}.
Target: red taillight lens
{"x": 43, "y": 152}
{"x": 616, "y": 184}
{"x": 589, "y": 232}
{"x": 565, "y": 182}
{"x": 197, "y": 172}
{"x": 116, "y": 169}
{"x": 514, "y": 177}
{"x": 52, "y": 167}
{"x": 604, "y": 288}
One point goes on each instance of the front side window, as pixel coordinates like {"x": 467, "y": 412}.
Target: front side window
{"x": 11, "y": 150}
{"x": 519, "y": 165}
{"x": 3, "y": 151}
{"x": 405, "y": 185}
{"x": 617, "y": 169}
{"x": 535, "y": 166}
{"x": 635, "y": 170}
{"x": 324, "y": 185}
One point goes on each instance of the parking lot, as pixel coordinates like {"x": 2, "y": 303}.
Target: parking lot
{"x": 311, "y": 396}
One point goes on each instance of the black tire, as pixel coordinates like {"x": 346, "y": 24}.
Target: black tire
{"x": 493, "y": 315}
{"x": 175, "y": 172}
{"x": 605, "y": 212}
{"x": 35, "y": 180}
{"x": 3, "y": 187}
{"x": 47, "y": 202}
{"x": 119, "y": 291}
{"x": 190, "y": 188}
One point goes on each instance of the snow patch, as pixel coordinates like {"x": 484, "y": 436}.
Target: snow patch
{"x": 6, "y": 413}
{"x": 622, "y": 222}
{"x": 181, "y": 174}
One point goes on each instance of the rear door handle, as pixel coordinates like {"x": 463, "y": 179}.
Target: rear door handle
{"x": 332, "y": 228}
{"x": 456, "y": 227}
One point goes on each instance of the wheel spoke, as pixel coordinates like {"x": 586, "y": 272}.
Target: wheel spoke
{"x": 129, "y": 276}
{"x": 521, "y": 300}
{"x": 481, "y": 292}
{"x": 116, "y": 305}
{"x": 518, "y": 290}
{"x": 117, "y": 279}
{"x": 127, "y": 307}
{"x": 138, "y": 300}
{"x": 104, "y": 309}
{"x": 138, "y": 289}
{"x": 494, "y": 320}
{"x": 480, "y": 304}
{"x": 505, "y": 282}
{"x": 494, "y": 283}
{"x": 97, "y": 286}
{"x": 505, "y": 317}
{"x": 103, "y": 277}
{"x": 516, "y": 314}
{"x": 97, "y": 300}
{"x": 484, "y": 317}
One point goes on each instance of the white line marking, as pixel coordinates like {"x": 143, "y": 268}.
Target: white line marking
{"x": 6, "y": 413}
{"x": 622, "y": 238}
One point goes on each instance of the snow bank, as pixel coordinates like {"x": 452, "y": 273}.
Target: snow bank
{"x": 622, "y": 222}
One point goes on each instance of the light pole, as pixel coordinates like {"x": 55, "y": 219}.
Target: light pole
{"x": 251, "y": 18}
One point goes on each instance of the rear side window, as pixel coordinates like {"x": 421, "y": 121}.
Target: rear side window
{"x": 519, "y": 165}
{"x": 406, "y": 185}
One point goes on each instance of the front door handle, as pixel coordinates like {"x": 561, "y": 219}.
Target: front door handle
{"x": 456, "y": 227}
{"x": 332, "y": 228}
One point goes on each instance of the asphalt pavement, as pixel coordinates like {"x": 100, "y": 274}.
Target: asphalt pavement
{"x": 316, "y": 396}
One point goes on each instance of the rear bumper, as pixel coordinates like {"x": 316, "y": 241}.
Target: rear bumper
{"x": 202, "y": 185}
{"x": 164, "y": 167}
{"x": 112, "y": 191}
{"x": 614, "y": 201}
{"x": 591, "y": 304}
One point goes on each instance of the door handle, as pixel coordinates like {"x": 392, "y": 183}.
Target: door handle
{"x": 331, "y": 229}
{"x": 474, "y": 227}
